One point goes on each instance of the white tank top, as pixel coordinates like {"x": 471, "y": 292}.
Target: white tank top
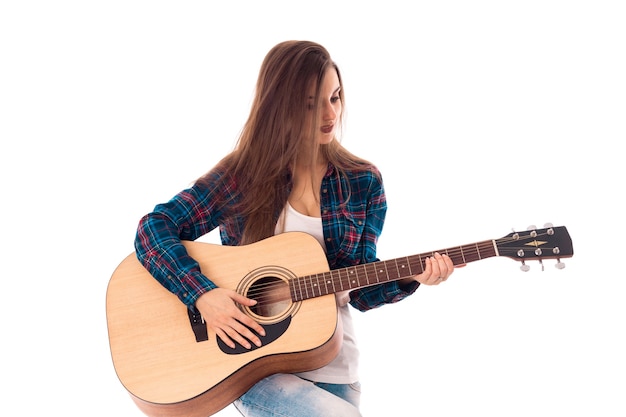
{"x": 344, "y": 368}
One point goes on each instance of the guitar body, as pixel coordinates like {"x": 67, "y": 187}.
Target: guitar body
{"x": 168, "y": 372}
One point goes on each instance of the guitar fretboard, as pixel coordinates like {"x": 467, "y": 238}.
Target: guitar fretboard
{"x": 337, "y": 280}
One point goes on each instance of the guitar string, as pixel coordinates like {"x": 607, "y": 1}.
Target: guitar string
{"x": 264, "y": 291}
{"x": 333, "y": 281}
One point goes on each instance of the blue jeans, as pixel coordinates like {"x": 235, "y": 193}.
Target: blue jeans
{"x": 286, "y": 395}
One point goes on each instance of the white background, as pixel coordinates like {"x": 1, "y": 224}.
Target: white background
{"x": 484, "y": 116}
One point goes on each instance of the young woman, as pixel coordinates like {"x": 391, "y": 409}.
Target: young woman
{"x": 288, "y": 172}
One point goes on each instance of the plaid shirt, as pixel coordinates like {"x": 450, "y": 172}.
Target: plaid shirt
{"x": 353, "y": 208}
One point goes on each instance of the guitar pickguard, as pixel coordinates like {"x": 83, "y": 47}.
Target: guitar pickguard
{"x": 272, "y": 332}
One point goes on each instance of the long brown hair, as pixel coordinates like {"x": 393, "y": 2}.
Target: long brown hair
{"x": 275, "y": 132}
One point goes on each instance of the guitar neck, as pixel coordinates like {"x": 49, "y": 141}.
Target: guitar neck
{"x": 353, "y": 277}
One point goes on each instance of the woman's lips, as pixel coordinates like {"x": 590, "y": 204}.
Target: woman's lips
{"x": 327, "y": 129}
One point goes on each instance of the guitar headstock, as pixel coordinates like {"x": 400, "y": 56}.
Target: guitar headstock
{"x": 537, "y": 244}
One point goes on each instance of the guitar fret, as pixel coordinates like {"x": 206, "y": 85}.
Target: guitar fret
{"x": 341, "y": 280}
{"x": 317, "y": 285}
{"x": 421, "y": 265}
{"x": 332, "y": 281}
{"x": 360, "y": 274}
{"x": 349, "y": 276}
{"x": 369, "y": 279}
{"x": 307, "y": 286}
{"x": 399, "y": 268}
{"x": 471, "y": 253}
{"x": 387, "y": 269}
{"x": 411, "y": 272}
{"x": 292, "y": 289}
{"x": 298, "y": 291}
{"x": 300, "y": 294}
{"x": 383, "y": 272}
{"x": 352, "y": 278}
{"x": 310, "y": 288}
{"x": 303, "y": 288}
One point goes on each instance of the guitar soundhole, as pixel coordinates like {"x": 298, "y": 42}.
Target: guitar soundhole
{"x": 272, "y": 296}
{"x": 269, "y": 286}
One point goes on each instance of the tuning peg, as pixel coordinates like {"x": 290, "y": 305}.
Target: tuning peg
{"x": 548, "y": 225}
{"x": 533, "y": 230}
{"x": 524, "y": 267}
{"x": 559, "y": 264}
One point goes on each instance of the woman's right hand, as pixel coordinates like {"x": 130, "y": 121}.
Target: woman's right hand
{"x": 229, "y": 323}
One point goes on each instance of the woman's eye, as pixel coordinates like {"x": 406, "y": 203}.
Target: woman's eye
{"x": 335, "y": 99}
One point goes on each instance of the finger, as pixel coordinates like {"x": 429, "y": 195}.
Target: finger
{"x": 449, "y": 266}
{"x": 435, "y": 267}
{"x": 428, "y": 277}
{"x": 234, "y": 332}
{"x": 246, "y": 320}
{"x": 250, "y": 325}
{"x": 241, "y": 334}
{"x": 425, "y": 276}
{"x": 248, "y": 330}
{"x": 224, "y": 338}
{"x": 444, "y": 265}
{"x": 236, "y": 336}
{"x": 238, "y": 298}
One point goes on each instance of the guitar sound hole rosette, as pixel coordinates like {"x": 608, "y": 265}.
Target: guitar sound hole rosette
{"x": 269, "y": 286}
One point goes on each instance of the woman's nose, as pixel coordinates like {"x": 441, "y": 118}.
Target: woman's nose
{"x": 329, "y": 113}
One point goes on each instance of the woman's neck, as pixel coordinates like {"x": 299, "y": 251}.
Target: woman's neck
{"x": 307, "y": 181}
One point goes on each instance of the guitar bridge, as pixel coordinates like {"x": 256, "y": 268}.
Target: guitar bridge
{"x": 197, "y": 325}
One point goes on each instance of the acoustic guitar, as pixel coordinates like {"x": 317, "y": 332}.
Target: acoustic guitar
{"x": 173, "y": 365}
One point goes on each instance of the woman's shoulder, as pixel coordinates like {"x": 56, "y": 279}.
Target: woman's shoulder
{"x": 363, "y": 171}
{"x": 220, "y": 173}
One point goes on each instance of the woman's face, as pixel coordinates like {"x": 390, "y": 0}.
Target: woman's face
{"x": 329, "y": 108}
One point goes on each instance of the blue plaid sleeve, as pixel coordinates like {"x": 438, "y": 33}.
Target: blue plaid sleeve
{"x": 187, "y": 216}
{"x": 377, "y": 295}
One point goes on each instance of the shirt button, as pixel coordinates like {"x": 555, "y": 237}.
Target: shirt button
{"x": 325, "y": 190}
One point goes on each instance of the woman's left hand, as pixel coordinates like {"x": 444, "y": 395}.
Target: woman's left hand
{"x": 438, "y": 269}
